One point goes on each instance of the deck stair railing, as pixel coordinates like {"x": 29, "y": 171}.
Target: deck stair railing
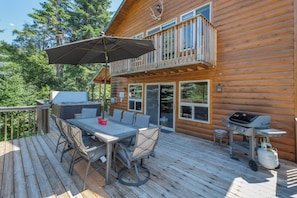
{"x": 17, "y": 122}
{"x": 190, "y": 42}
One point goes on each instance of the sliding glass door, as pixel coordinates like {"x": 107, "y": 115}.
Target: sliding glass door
{"x": 160, "y": 104}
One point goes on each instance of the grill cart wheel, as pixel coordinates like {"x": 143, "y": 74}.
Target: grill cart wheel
{"x": 253, "y": 165}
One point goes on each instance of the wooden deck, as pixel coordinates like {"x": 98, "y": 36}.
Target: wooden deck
{"x": 184, "y": 166}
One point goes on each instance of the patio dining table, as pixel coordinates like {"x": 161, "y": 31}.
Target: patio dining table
{"x": 110, "y": 133}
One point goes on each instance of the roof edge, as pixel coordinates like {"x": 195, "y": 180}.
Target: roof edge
{"x": 115, "y": 15}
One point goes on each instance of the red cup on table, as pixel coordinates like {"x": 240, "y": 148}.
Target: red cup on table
{"x": 99, "y": 120}
{"x": 103, "y": 122}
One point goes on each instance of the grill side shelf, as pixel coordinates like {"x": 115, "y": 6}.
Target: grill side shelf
{"x": 271, "y": 132}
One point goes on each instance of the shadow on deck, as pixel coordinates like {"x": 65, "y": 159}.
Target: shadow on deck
{"x": 184, "y": 166}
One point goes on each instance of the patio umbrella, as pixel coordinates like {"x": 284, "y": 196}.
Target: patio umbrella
{"x": 104, "y": 49}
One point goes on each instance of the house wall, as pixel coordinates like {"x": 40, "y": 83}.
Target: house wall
{"x": 255, "y": 62}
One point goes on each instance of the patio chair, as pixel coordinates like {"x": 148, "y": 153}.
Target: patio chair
{"x": 92, "y": 152}
{"x": 145, "y": 143}
{"x": 117, "y": 115}
{"x": 69, "y": 144}
{"x": 142, "y": 121}
{"x": 62, "y": 136}
{"x": 128, "y": 117}
{"x": 87, "y": 113}
{"x": 63, "y": 126}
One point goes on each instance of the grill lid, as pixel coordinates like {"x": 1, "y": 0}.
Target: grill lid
{"x": 250, "y": 120}
{"x": 243, "y": 118}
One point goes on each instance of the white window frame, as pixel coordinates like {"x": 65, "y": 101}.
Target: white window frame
{"x": 135, "y": 100}
{"x": 193, "y": 105}
{"x": 153, "y": 30}
{"x": 207, "y": 4}
{"x": 185, "y": 45}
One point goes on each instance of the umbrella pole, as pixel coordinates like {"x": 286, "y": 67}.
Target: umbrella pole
{"x": 105, "y": 75}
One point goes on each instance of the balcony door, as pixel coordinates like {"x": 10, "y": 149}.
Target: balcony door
{"x": 160, "y": 105}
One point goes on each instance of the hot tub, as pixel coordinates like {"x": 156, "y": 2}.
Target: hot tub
{"x": 65, "y": 104}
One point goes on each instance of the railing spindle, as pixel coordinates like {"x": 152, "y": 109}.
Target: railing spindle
{"x": 17, "y": 122}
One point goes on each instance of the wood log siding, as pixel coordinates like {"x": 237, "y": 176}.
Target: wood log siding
{"x": 17, "y": 122}
{"x": 172, "y": 50}
{"x": 256, "y": 63}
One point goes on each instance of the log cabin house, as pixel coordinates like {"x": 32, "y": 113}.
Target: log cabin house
{"x": 239, "y": 55}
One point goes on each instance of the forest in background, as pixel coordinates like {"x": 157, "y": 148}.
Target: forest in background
{"x": 25, "y": 74}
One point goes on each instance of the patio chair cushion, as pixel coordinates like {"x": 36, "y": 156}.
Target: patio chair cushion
{"x": 117, "y": 115}
{"x": 128, "y": 117}
{"x": 142, "y": 121}
{"x": 88, "y": 112}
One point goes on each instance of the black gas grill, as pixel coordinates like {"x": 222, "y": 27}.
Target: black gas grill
{"x": 251, "y": 127}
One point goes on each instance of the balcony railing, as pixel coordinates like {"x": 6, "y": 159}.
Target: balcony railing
{"x": 190, "y": 42}
{"x": 17, "y": 122}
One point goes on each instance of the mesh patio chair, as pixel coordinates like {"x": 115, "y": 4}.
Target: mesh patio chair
{"x": 142, "y": 121}
{"x": 145, "y": 143}
{"x": 62, "y": 137}
{"x": 117, "y": 115}
{"x": 92, "y": 152}
{"x": 68, "y": 141}
{"x": 69, "y": 144}
{"x": 128, "y": 117}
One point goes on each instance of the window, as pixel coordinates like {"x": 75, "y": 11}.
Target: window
{"x": 168, "y": 24}
{"x": 135, "y": 97}
{"x": 194, "y": 101}
{"x": 204, "y": 10}
{"x": 189, "y": 29}
{"x": 153, "y": 30}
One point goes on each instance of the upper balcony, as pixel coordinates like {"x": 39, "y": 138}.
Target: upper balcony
{"x": 190, "y": 42}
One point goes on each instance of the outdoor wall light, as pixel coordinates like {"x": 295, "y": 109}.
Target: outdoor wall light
{"x": 219, "y": 87}
{"x": 159, "y": 8}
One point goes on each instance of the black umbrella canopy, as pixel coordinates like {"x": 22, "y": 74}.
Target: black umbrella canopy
{"x": 104, "y": 49}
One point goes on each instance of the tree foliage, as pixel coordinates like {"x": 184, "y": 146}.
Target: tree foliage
{"x": 85, "y": 19}
{"x": 14, "y": 91}
{"x": 25, "y": 74}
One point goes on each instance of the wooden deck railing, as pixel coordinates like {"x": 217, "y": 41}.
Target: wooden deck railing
{"x": 190, "y": 42}
{"x": 17, "y": 122}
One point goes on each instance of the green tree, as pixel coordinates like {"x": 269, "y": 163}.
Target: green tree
{"x": 14, "y": 91}
{"x": 88, "y": 18}
{"x": 57, "y": 22}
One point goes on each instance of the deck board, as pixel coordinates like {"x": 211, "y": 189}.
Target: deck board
{"x": 183, "y": 166}
{"x": 20, "y": 186}
{"x": 7, "y": 182}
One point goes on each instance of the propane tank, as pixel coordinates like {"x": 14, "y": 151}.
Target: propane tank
{"x": 267, "y": 156}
